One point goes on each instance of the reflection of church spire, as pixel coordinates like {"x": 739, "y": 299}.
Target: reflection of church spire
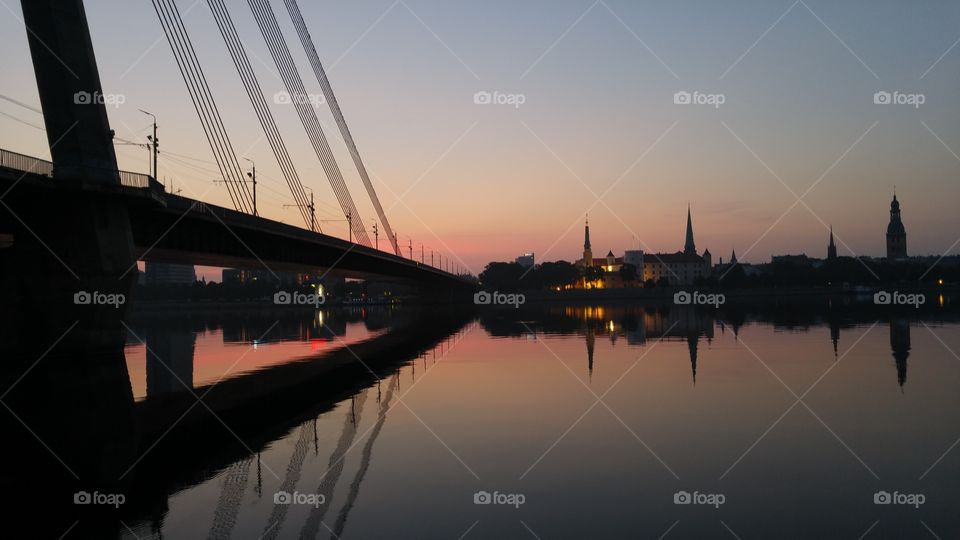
{"x": 590, "y": 339}
{"x": 900, "y": 345}
{"x": 692, "y": 340}
{"x": 835, "y": 335}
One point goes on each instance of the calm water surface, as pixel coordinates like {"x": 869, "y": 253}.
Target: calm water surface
{"x": 777, "y": 421}
{"x": 597, "y": 416}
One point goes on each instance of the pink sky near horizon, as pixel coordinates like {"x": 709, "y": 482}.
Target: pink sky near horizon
{"x": 483, "y": 183}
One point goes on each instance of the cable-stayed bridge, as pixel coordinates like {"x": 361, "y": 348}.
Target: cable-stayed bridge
{"x": 79, "y": 218}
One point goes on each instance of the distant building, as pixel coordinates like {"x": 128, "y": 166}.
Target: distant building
{"x": 798, "y": 260}
{"x": 682, "y": 267}
{"x": 244, "y": 276}
{"x": 169, "y": 274}
{"x": 526, "y": 260}
{"x": 634, "y": 257}
{"x": 896, "y": 233}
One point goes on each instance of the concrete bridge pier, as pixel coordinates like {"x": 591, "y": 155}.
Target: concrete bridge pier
{"x": 70, "y": 241}
{"x": 66, "y": 270}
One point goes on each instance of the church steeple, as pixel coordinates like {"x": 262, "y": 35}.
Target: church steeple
{"x": 733, "y": 256}
{"x": 832, "y": 248}
{"x": 689, "y": 247}
{"x": 586, "y": 234}
{"x": 587, "y": 252}
{"x": 896, "y": 233}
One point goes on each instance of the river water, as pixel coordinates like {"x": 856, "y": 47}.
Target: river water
{"x": 815, "y": 419}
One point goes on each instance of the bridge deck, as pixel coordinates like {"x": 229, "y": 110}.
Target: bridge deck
{"x": 171, "y": 228}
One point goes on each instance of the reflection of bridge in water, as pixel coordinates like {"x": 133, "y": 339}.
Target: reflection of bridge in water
{"x": 170, "y": 338}
{"x": 233, "y": 484}
{"x": 78, "y": 401}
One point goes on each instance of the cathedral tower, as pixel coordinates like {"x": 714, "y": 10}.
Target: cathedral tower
{"x": 896, "y": 234}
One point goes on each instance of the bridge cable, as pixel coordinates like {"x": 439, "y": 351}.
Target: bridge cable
{"x": 187, "y": 71}
{"x": 308, "y": 46}
{"x": 168, "y": 19}
{"x": 227, "y": 144}
{"x": 204, "y": 104}
{"x": 292, "y": 79}
{"x": 270, "y": 29}
{"x": 255, "y": 93}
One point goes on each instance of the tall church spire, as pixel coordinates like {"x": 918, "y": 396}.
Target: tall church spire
{"x": 832, "y": 248}
{"x": 587, "y": 252}
{"x": 689, "y": 247}
{"x": 586, "y": 234}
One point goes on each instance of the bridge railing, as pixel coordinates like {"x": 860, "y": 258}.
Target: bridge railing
{"x": 135, "y": 180}
{"x": 21, "y": 162}
{"x": 42, "y": 167}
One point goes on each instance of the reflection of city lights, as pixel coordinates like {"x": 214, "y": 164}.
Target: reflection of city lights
{"x": 610, "y": 326}
{"x": 940, "y": 300}
{"x": 318, "y": 343}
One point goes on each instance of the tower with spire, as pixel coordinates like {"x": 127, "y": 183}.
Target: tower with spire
{"x": 896, "y": 233}
{"x": 689, "y": 247}
{"x": 831, "y": 248}
{"x": 587, "y": 252}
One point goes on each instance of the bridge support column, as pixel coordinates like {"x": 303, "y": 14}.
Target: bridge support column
{"x": 62, "y": 278}
{"x": 69, "y": 241}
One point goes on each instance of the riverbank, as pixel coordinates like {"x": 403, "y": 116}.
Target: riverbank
{"x": 667, "y": 293}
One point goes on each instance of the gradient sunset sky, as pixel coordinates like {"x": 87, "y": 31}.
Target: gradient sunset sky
{"x": 489, "y": 182}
